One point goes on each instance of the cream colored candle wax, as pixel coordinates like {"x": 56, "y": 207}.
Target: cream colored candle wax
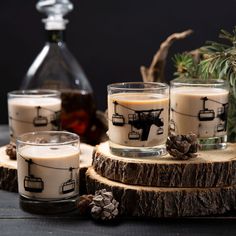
{"x": 138, "y": 119}
{"x": 33, "y": 114}
{"x": 48, "y": 172}
{"x": 201, "y": 110}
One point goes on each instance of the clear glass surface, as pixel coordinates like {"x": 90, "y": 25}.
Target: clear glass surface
{"x": 33, "y": 110}
{"x": 48, "y": 171}
{"x": 200, "y": 106}
{"x": 138, "y": 115}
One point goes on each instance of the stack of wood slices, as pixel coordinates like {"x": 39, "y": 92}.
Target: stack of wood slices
{"x": 167, "y": 187}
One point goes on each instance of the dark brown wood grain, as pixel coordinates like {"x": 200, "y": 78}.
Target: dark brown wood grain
{"x": 140, "y": 201}
{"x": 8, "y": 179}
{"x": 215, "y": 168}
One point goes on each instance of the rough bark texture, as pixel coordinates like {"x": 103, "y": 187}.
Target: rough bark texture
{"x": 8, "y": 179}
{"x": 214, "y": 168}
{"x": 164, "y": 202}
{"x": 8, "y": 169}
{"x": 8, "y": 172}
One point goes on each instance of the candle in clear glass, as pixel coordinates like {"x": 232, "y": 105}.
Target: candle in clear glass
{"x": 200, "y": 106}
{"x": 138, "y": 118}
{"x": 33, "y": 110}
{"x": 48, "y": 171}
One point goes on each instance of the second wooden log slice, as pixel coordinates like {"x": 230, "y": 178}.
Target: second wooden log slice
{"x": 158, "y": 202}
{"x": 215, "y": 168}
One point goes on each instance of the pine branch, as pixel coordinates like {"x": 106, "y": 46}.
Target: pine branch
{"x": 226, "y": 35}
{"x": 186, "y": 65}
{"x": 220, "y": 59}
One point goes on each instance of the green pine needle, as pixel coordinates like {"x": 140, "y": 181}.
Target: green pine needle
{"x": 185, "y": 65}
{"x": 218, "y": 62}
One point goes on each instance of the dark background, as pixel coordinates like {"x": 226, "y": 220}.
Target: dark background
{"x": 110, "y": 38}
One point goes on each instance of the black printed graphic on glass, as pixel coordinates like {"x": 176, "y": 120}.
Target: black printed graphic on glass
{"x": 69, "y": 185}
{"x": 207, "y": 114}
{"x": 32, "y": 183}
{"x": 42, "y": 121}
{"x": 117, "y": 119}
{"x": 144, "y": 119}
{"x": 133, "y": 135}
{"x": 140, "y": 120}
{"x": 36, "y": 184}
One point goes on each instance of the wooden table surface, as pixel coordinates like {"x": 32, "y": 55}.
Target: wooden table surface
{"x": 14, "y": 221}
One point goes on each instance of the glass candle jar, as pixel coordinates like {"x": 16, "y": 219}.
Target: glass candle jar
{"x": 200, "y": 106}
{"x": 138, "y": 115}
{"x": 48, "y": 171}
{"x": 33, "y": 110}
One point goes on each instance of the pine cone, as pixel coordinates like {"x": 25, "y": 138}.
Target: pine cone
{"x": 182, "y": 147}
{"x": 104, "y": 206}
{"x": 84, "y": 203}
{"x": 11, "y": 151}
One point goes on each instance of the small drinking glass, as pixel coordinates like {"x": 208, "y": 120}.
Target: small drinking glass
{"x": 200, "y": 106}
{"x": 33, "y": 110}
{"x": 138, "y": 115}
{"x": 48, "y": 171}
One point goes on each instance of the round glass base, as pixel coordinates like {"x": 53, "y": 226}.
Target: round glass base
{"x": 213, "y": 143}
{"x": 48, "y": 207}
{"x": 126, "y": 151}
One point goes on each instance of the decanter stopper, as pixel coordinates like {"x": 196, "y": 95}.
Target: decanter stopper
{"x": 55, "y": 10}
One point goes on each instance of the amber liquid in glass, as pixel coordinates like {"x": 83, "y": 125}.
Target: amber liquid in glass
{"x": 78, "y": 112}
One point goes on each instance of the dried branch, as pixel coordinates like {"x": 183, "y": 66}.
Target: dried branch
{"x": 196, "y": 54}
{"x": 156, "y": 70}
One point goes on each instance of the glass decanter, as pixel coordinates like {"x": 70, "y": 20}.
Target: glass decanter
{"x": 56, "y": 68}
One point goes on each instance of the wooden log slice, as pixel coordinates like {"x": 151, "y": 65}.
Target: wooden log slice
{"x": 8, "y": 172}
{"x": 140, "y": 201}
{"x": 213, "y": 168}
{"x": 8, "y": 169}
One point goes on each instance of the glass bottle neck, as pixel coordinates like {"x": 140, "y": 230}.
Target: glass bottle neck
{"x": 55, "y": 36}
